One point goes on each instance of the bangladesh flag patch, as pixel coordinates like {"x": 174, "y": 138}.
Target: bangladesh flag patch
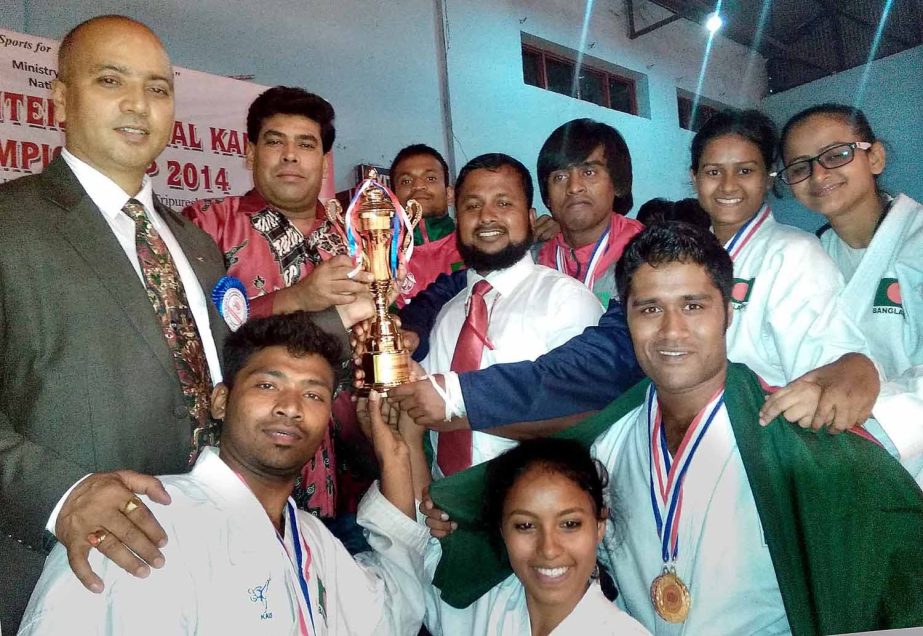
{"x": 740, "y": 292}
{"x": 888, "y": 297}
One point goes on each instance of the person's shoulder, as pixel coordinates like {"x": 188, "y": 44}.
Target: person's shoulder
{"x": 556, "y": 283}
{"x": 219, "y": 206}
{"x": 17, "y": 195}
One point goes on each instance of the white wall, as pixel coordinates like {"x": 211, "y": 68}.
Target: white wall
{"x": 893, "y": 102}
{"x": 493, "y": 110}
{"x": 378, "y": 63}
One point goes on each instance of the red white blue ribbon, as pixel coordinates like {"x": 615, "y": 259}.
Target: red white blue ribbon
{"x": 589, "y": 276}
{"x": 401, "y": 220}
{"x": 667, "y": 475}
{"x": 301, "y": 564}
{"x": 746, "y": 232}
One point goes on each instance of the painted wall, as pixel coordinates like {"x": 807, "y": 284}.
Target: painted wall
{"x": 893, "y": 102}
{"x": 379, "y": 64}
{"x": 493, "y": 110}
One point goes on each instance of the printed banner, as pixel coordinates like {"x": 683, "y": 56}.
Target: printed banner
{"x": 204, "y": 159}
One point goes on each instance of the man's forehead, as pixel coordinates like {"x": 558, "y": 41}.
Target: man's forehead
{"x": 597, "y": 157}
{"x": 278, "y": 360}
{"x": 503, "y": 180}
{"x": 424, "y": 163}
{"x": 292, "y": 124}
{"x": 671, "y": 279}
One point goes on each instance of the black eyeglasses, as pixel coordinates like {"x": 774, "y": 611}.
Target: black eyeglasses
{"x": 831, "y": 158}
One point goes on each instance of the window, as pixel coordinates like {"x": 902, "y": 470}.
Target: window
{"x": 684, "y": 102}
{"x": 554, "y": 71}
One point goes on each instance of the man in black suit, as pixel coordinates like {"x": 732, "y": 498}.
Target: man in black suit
{"x": 92, "y": 382}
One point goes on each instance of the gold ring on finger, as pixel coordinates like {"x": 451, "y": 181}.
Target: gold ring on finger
{"x": 133, "y": 504}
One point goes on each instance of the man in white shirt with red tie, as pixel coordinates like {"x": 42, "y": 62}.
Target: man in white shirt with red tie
{"x": 511, "y": 309}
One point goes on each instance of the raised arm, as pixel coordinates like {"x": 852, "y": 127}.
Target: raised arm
{"x": 420, "y": 314}
{"x": 584, "y": 374}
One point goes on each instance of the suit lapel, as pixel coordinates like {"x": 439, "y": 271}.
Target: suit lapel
{"x": 82, "y": 225}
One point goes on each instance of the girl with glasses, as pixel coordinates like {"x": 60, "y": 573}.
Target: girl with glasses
{"x": 787, "y": 321}
{"x": 832, "y": 164}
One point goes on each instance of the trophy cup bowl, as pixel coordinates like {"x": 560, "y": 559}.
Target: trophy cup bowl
{"x": 379, "y": 235}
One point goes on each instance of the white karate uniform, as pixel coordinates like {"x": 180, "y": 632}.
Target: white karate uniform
{"x": 891, "y": 320}
{"x": 502, "y": 611}
{"x": 227, "y": 572}
{"x": 532, "y": 309}
{"x": 722, "y": 558}
{"x": 791, "y": 321}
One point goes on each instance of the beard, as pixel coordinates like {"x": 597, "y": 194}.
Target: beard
{"x": 483, "y": 262}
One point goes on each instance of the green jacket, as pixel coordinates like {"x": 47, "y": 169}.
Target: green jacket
{"x": 843, "y": 520}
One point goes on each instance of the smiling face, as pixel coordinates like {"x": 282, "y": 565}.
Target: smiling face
{"x": 580, "y": 198}
{"x": 731, "y": 181}
{"x": 288, "y": 163}
{"x": 494, "y": 219}
{"x": 551, "y": 530}
{"x": 839, "y": 191}
{"x": 421, "y": 178}
{"x": 116, "y": 99}
{"x": 678, "y": 320}
{"x": 277, "y": 413}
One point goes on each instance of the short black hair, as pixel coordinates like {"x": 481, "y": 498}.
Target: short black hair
{"x": 664, "y": 210}
{"x": 576, "y": 140}
{"x": 289, "y": 100}
{"x": 294, "y": 331}
{"x": 414, "y": 150}
{"x": 494, "y": 161}
{"x": 563, "y": 456}
{"x": 850, "y": 115}
{"x": 750, "y": 124}
{"x": 675, "y": 242}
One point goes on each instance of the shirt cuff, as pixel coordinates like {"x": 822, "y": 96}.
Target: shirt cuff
{"x": 53, "y": 518}
{"x": 455, "y": 401}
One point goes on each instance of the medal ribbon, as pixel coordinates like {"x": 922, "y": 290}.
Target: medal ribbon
{"x": 589, "y": 276}
{"x": 666, "y": 476}
{"x": 746, "y": 232}
{"x": 301, "y": 565}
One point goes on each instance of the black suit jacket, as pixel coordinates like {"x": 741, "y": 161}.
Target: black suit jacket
{"x": 87, "y": 383}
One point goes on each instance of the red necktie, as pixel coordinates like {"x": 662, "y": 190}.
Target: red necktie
{"x": 453, "y": 450}
{"x": 165, "y": 291}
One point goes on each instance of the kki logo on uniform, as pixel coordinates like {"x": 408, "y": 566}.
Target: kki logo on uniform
{"x": 888, "y": 298}
{"x": 740, "y": 292}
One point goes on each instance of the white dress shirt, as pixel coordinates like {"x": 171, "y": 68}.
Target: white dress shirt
{"x": 110, "y": 199}
{"x": 532, "y": 309}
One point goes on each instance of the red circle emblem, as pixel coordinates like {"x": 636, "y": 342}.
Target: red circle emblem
{"x": 894, "y": 293}
{"x": 739, "y": 291}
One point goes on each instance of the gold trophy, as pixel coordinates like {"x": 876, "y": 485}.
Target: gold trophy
{"x": 378, "y": 233}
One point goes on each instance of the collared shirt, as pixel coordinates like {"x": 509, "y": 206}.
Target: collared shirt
{"x": 533, "y": 309}
{"x": 110, "y": 199}
{"x": 227, "y": 572}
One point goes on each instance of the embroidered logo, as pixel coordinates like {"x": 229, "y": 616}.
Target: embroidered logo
{"x": 888, "y": 298}
{"x": 740, "y": 292}
{"x": 258, "y": 595}
{"x": 322, "y": 599}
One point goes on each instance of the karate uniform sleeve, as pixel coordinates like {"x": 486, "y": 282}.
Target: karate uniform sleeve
{"x": 420, "y": 314}
{"x": 806, "y": 322}
{"x": 380, "y": 592}
{"x": 899, "y": 411}
{"x": 163, "y": 603}
{"x": 584, "y": 374}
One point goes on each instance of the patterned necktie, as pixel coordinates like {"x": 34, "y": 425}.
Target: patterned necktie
{"x": 453, "y": 450}
{"x": 166, "y": 293}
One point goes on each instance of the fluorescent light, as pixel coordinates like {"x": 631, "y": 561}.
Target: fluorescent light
{"x": 714, "y": 22}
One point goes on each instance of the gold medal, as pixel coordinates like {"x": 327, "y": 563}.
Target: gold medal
{"x": 670, "y": 597}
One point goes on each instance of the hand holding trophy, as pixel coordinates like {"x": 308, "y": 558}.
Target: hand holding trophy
{"x": 378, "y": 233}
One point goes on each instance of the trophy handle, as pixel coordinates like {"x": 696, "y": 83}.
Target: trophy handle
{"x": 335, "y": 213}
{"x": 414, "y": 213}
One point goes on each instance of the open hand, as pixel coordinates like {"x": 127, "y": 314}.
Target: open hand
{"x": 102, "y": 511}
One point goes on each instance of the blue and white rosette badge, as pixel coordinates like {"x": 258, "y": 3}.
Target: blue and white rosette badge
{"x": 230, "y": 297}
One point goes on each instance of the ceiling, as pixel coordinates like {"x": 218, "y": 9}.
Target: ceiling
{"x": 803, "y": 40}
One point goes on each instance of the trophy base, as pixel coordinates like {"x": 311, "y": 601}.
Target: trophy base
{"x": 384, "y": 369}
